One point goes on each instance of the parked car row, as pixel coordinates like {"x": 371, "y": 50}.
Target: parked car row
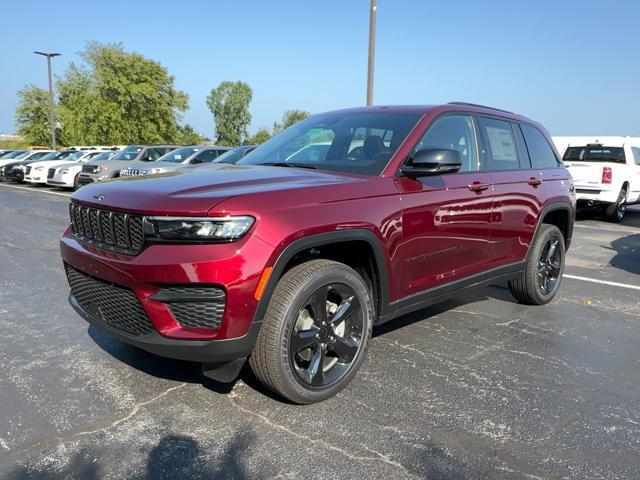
{"x": 75, "y": 167}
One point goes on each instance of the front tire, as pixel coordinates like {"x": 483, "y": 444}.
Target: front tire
{"x": 315, "y": 333}
{"x": 545, "y": 266}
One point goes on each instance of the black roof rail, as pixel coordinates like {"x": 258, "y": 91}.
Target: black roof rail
{"x": 467, "y": 104}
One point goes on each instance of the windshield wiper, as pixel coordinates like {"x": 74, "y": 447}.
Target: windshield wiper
{"x": 290, "y": 164}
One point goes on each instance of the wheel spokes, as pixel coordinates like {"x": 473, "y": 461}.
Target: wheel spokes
{"x": 316, "y": 366}
{"x": 347, "y": 308}
{"x": 344, "y": 348}
{"x": 552, "y": 250}
{"x": 303, "y": 339}
{"x": 318, "y": 304}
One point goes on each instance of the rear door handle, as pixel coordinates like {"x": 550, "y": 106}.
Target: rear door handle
{"x": 534, "y": 182}
{"x": 478, "y": 187}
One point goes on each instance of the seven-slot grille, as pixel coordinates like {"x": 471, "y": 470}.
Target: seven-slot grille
{"x": 51, "y": 173}
{"x": 113, "y": 305}
{"x": 120, "y": 232}
{"x": 130, "y": 172}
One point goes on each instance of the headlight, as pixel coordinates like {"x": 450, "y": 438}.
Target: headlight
{"x": 37, "y": 169}
{"x": 213, "y": 229}
{"x": 103, "y": 168}
{"x": 22, "y": 167}
{"x": 64, "y": 171}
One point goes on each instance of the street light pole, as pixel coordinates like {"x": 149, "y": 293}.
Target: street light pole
{"x": 52, "y": 114}
{"x": 372, "y": 49}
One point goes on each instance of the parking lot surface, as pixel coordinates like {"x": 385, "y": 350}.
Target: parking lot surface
{"x": 479, "y": 387}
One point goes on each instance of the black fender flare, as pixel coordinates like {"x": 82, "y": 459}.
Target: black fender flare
{"x": 563, "y": 205}
{"x": 318, "y": 240}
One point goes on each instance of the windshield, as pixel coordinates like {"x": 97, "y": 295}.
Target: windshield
{"x": 73, "y": 156}
{"x": 233, "y": 155}
{"x": 13, "y": 154}
{"x": 360, "y": 143}
{"x": 595, "y": 153}
{"x": 128, "y": 153}
{"x": 21, "y": 155}
{"x": 179, "y": 155}
{"x": 50, "y": 156}
{"x": 103, "y": 156}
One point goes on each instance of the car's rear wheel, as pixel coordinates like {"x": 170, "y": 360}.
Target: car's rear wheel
{"x": 544, "y": 268}
{"x": 315, "y": 333}
{"x": 615, "y": 212}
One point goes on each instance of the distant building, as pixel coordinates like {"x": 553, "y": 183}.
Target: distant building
{"x": 10, "y": 136}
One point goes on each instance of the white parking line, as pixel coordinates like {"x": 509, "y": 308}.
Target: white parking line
{"x": 602, "y": 282}
{"x": 606, "y": 230}
{"x": 36, "y": 189}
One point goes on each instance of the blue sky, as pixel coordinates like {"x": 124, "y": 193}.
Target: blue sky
{"x": 572, "y": 65}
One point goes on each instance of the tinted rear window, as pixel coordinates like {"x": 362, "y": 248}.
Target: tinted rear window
{"x": 540, "y": 152}
{"x": 595, "y": 153}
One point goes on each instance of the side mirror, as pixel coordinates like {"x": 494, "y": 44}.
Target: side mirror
{"x": 432, "y": 161}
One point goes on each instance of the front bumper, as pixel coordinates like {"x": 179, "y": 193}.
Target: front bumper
{"x": 39, "y": 176}
{"x": 235, "y": 267}
{"x": 13, "y": 176}
{"x": 62, "y": 180}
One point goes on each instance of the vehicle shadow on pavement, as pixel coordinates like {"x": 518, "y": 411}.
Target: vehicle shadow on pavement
{"x": 173, "y": 457}
{"x": 627, "y": 253}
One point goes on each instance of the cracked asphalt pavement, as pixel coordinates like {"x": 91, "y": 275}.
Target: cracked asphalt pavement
{"x": 478, "y": 387}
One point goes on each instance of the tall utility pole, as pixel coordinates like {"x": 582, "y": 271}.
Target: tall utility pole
{"x": 52, "y": 115}
{"x": 372, "y": 50}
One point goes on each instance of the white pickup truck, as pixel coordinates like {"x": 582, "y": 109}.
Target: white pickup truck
{"x": 606, "y": 174}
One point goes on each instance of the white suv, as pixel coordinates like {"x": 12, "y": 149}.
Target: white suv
{"x": 606, "y": 175}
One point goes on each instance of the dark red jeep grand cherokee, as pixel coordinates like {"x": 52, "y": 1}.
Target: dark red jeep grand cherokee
{"x": 341, "y": 222}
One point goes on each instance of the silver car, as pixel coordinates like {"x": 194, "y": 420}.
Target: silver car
{"x": 100, "y": 170}
{"x": 178, "y": 158}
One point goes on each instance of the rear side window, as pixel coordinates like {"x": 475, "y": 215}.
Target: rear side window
{"x": 455, "y": 132}
{"x": 595, "y": 153}
{"x": 636, "y": 155}
{"x": 501, "y": 150}
{"x": 540, "y": 151}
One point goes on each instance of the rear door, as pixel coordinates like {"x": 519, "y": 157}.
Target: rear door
{"x": 445, "y": 218}
{"x": 517, "y": 190}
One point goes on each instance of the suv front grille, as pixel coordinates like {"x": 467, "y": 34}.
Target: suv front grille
{"x": 120, "y": 232}
{"x": 112, "y": 305}
{"x": 194, "y": 306}
{"x": 89, "y": 168}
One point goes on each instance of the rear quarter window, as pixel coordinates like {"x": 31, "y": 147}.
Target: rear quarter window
{"x": 540, "y": 152}
{"x": 636, "y": 155}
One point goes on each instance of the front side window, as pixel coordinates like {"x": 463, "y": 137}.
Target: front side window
{"x": 179, "y": 155}
{"x": 206, "y": 156}
{"x": 501, "y": 150}
{"x": 540, "y": 151}
{"x": 351, "y": 142}
{"x": 454, "y": 132}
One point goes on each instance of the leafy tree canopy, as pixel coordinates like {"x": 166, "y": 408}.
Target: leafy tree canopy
{"x": 119, "y": 97}
{"x": 229, "y": 104}
{"x": 32, "y": 115}
{"x": 289, "y": 118}
{"x": 261, "y": 136}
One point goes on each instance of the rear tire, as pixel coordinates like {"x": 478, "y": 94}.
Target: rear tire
{"x": 615, "y": 212}
{"x": 545, "y": 265}
{"x": 315, "y": 333}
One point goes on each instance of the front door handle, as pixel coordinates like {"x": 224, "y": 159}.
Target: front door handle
{"x": 478, "y": 187}
{"x": 534, "y": 182}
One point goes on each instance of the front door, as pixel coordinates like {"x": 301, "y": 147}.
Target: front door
{"x": 445, "y": 218}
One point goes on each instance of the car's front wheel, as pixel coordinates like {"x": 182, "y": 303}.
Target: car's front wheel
{"x": 315, "y": 333}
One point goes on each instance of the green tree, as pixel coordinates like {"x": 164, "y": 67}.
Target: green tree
{"x": 229, "y": 104}
{"x": 261, "y": 136}
{"x": 32, "y": 115}
{"x": 188, "y": 136}
{"x": 289, "y": 118}
{"x": 119, "y": 97}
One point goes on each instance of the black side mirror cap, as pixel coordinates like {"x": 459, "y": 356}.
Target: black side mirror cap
{"x": 432, "y": 161}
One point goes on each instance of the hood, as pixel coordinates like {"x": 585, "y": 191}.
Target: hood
{"x": 195, "y": 192}
{"x": 49, "y": 163}
{"x": 74, "y": 165}
{"x": 149, "y": 165}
